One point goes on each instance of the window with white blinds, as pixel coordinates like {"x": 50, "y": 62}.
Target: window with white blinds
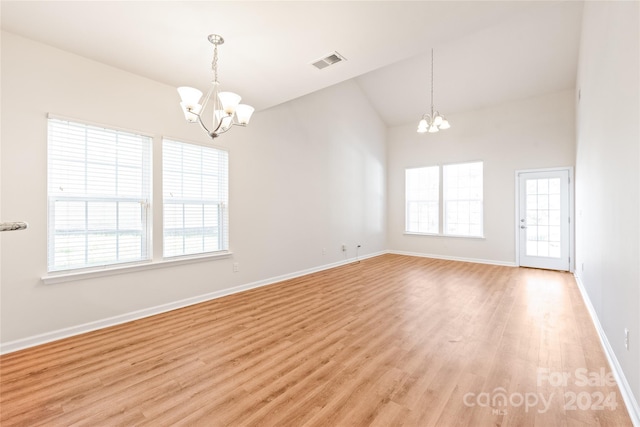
{"x": 422, "y": 198}
{"x": 459, "y": 199}
{"x": 463, "y": 199}
{"x": 195, "y": 197}
{"x": 99, "y": 184}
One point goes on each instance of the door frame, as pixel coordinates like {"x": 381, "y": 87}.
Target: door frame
{"x": 569, "y": 169}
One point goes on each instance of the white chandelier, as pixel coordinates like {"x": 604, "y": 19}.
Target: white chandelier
{"x": 227, "y": 110}
{"x": 432, "y": 122}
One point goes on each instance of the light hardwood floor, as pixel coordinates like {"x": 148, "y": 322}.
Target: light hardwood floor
{"x": 392, "y": 340}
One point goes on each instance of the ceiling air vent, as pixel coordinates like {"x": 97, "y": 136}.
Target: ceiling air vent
{"x": 330, "y": 59}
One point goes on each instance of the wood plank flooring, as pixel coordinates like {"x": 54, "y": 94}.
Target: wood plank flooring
{"x": 389, "y": 341}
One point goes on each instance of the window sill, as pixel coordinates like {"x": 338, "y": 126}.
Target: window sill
{"x": 456, "y": 236}
{"x": 62, "y": 277}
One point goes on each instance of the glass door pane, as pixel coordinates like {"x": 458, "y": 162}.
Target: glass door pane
{"x": 542, "y": 200}
{"x": 543, "y": 227}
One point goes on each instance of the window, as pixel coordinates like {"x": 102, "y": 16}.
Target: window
{"x": 462, "y": 200}
{"x": 195, "y": 193}
{"x": 462, "y": 195}
{"x": 422, "y": 186}
{"x": 99, "y": 183}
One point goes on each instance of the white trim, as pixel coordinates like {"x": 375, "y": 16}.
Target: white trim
{"x": 112, "y": 270}
{"x": 454, "y": 258}
{"x": 455, "y": 236}
{"x": 32, "y": 341}
{"x": 209, "y": 143}
{"x": 99, "y": 125}
{"x": 417, "y": 233}
{"x": 441, "y": 200}
{"x": 516, "y": 219}
{"x": 572, "y": 255}
{"x": 625, "y": 389}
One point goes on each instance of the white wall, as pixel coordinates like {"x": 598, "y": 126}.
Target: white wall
{"x": 531, "y": 133}
{"x": 306, "y": 178}
{"x": 302, "y": 178}
{"x": 607, "y": 177}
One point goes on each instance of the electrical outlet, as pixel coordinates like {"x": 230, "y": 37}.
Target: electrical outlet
{"x": 236, "y": 267}
{"x": 582, "y": 266}
{"x": 344, "y": 248}
{"x": 626, "y": 338}
{"x": 324, "y": 251}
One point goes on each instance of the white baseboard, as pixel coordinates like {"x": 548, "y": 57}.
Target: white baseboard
{"x": 625, "y": 389}
{"x": 35, "y": 340}
{"x": 453, "y": 258}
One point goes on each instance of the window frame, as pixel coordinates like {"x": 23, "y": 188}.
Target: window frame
{"x": 221, "y": 204}
{"x": 146, "y": 183}
{"x": 424, "y": 203}
{"x": 153, "y": 216}
{"x": 445, "y": 201}
{"x": 442, "y": 203}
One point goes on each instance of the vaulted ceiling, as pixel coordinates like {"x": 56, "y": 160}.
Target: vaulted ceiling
{"x": 486, "y": 52}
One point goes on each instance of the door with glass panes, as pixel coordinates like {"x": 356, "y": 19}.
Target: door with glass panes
{"x": 544, "y": 219}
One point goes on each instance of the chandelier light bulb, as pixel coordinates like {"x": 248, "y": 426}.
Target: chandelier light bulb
{"x": 190, "y": 96}
{"x": 229, "y": 101}
{"x": 423, "y": 126}
{"x": 191, "y": 111}
{"x": 243, "y": 113}
{"x": 225, "y": 119}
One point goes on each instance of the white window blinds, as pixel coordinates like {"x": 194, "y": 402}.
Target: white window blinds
{"x": 99, "y": 183}
{"x": 463, "y": 199}
{"x": 195, "y": 193}
{"x": 422, "y": 197}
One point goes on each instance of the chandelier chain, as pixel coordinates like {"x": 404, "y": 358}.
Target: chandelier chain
{"x": 214, "y": 63}
{"x": 432, "y": 83}
{"x": 432, "y": 121}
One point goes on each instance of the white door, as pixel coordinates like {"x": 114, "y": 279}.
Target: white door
{"x": 544, "y": 219}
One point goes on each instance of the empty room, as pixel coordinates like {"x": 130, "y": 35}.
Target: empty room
{"x": 320, "y": 213}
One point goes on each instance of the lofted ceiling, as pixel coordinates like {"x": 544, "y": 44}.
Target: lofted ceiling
{"x": 486, "y": 52}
